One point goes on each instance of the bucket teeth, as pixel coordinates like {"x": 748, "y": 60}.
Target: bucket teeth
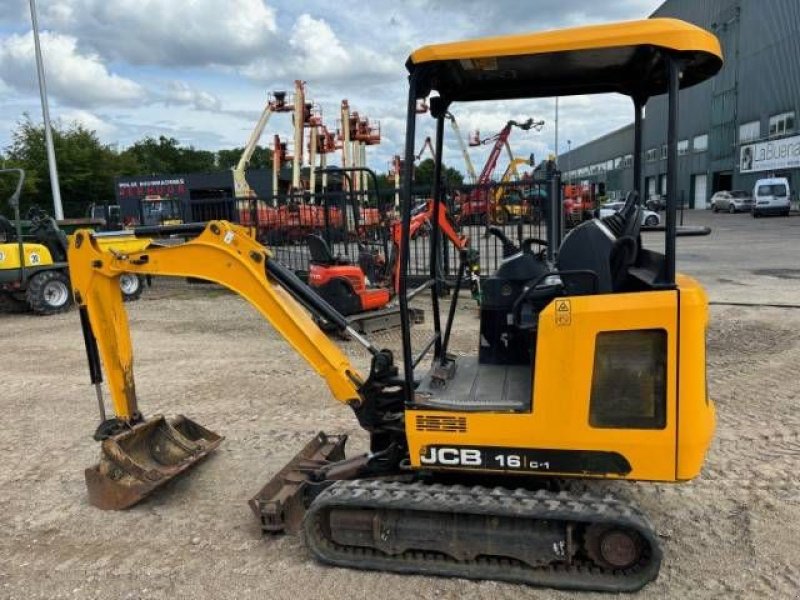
{"x": 135, "y": 462}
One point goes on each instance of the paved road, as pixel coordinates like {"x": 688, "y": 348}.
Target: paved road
{"x": 744, "y": 259}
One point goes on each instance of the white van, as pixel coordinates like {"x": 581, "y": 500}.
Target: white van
{"x": 771, "y": 197}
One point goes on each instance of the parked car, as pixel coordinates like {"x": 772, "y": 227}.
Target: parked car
{"x": 732, "y": 202}
{"x": 771, "y": 196}
{"x": 649, "y": 217}
{"x": 656, "y": 203}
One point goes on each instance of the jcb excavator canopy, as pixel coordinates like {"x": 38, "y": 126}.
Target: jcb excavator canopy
{"x": 628, "y": 58}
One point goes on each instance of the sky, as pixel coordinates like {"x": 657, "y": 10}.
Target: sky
{"x": 200, "y": 70}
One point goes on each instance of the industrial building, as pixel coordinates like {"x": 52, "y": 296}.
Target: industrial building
{"x": 734, "y": 129}
{"x": 182, "y": 196}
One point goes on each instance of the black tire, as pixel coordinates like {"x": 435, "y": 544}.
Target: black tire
{"x": 131, "y": 286}
{"x": 714, "y": 208}
{"x": 651, "y": 221}
{"x": 786, "y": 213}
{"x": 731, "y": 209}
{"x": 49, "y": 293}
{"x": 755, "y": 215}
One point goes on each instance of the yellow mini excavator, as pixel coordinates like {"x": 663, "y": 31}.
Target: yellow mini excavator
{"x": 590, "y": 365}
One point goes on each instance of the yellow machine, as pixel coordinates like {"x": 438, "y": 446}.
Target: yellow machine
{"x": 591, "y": 361}
{"x": 33, "y": 266}
{"x": 502, "y": 210}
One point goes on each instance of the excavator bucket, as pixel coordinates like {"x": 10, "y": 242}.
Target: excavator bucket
{"x": 135, "y": 462}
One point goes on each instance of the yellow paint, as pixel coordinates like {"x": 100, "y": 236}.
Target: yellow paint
{"x": 123, "y": 244}
{"x": 559, "y": 418}
{"x": 36, "y": 255}
{"x": 231, "y": 258}
{"x": 670, "y": 34}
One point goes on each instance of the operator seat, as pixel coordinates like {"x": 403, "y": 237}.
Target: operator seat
{"x": 321, "y": 253}
{"x": 49, "y": 234}
{"x": 7, "y": 229}
{"x": 501, "y": 341}
{"x": 607, "y": 247}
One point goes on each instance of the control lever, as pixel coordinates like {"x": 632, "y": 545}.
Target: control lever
{"x": 509, "y": 247}
{"x": 528, "y": 242}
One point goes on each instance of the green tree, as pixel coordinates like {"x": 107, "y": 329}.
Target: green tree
{"x": 197, "y": 161}
{"x": 154, "y": 156}
{"x": 228, "y": 158}
{"x": 86, "y": 167}
{"x": 423, "y": 174}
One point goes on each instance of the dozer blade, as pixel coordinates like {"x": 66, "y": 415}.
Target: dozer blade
{"x": 281, "y": 504}
{"x": 135, "y": 462}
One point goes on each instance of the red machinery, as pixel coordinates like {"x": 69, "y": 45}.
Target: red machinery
{"x": 418, "y": 221}
{"x": 580, "y": 201}
{"x": 341, "y": 283}
{"x": 475, "y": 208}
{"x": 345, "y": 285}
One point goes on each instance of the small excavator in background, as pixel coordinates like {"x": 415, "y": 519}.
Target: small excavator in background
{"x": 590, "y": 362}
{"x": 366, "y": 292}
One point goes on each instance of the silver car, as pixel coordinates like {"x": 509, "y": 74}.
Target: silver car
{"x": 649, "y": 217}
{"x": 732, "y": 202}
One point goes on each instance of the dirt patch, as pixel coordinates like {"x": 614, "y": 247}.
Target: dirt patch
{"x": 732, "y": 533}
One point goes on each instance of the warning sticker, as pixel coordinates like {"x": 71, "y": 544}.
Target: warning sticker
{"x": 563, "y": 313}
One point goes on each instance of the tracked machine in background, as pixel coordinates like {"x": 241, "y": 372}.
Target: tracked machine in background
{"x": 591, "y": 361}
{"x": 366, "y": 292}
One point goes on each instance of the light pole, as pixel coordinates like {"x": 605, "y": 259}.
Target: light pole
{"x": 569, "y": 161}
{"x": 556, "y": 140}
{"x": 48, "y": 134}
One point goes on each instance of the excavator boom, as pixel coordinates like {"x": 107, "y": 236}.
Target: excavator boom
{"x": 137, "y": 454}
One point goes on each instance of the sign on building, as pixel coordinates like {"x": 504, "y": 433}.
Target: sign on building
{"x": 774, "y": 155}
{"x": 140, "y": 188}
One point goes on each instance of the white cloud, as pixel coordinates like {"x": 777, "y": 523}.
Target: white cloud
{"x": 168, "y": 32}
{"x": 181, "y": 93}
{"x": 161, "y": 66}
{"x": 75, "y": 78}
{"x": 315, "y": 53}
{"x": 89, "y": 120}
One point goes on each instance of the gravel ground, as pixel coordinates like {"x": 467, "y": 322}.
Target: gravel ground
{"x": 732, "y": 533}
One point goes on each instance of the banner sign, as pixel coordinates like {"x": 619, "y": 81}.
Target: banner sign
{"x": 774, "y": 155}
{"x": 167, "y": 188}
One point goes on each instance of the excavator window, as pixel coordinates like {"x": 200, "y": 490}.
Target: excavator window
{"x": 629, "y": 382}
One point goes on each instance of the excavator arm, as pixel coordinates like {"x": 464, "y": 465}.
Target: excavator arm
{"x": 445, "y": 225}
{"x": 137, "y": 454}
{"x": 223, "y": 253}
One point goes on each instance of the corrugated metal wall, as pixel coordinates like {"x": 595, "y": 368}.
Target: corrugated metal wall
{"x": 761, "y": 78}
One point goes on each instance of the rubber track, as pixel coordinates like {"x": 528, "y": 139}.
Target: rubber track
{"x": 386, "y": 495}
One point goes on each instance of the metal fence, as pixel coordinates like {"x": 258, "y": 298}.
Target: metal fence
{"x": 359, "y": 221}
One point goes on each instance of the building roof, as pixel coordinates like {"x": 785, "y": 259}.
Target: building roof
{"x": 627, "y": 57}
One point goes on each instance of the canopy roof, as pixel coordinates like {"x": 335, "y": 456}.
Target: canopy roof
{"x": 627, "y": 57}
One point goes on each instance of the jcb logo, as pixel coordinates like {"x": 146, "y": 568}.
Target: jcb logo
{"x": 451, "y": 457}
